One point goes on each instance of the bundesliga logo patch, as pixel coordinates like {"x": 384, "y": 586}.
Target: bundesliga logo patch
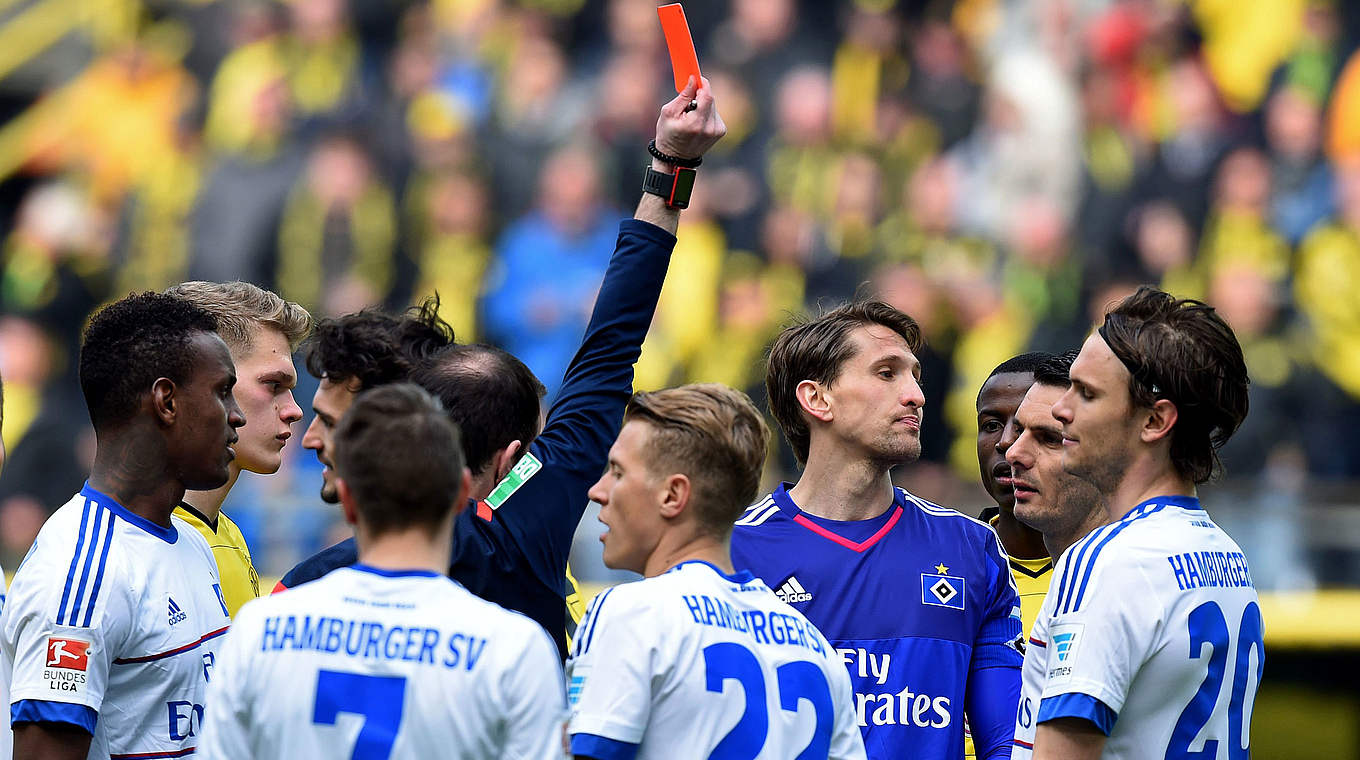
{"x": 70, "y": 654}
{"x": 942, "y": 591}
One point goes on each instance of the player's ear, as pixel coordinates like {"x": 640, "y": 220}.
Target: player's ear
{"x": 1159, "y": 421}
{"x": 347, "y": 506}
{"x": 504, "y": 460}
{"x": 675, "y": 495}
{"x": 163, "y": 399}
{"x": 812, "y": 396}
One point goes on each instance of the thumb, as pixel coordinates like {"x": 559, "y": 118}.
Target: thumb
{"x": 691, "y": 87}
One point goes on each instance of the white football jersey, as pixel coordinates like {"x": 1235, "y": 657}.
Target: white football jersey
{"x": 6, "y": 733}
{"x": 112, "y": 624}
{"x": 1151, "y": 630}
{"x": 694, "y": 661}
{"x": 369, "y": 663}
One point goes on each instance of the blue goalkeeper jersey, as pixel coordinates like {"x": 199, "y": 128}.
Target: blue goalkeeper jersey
{"x": 919, "y": 602}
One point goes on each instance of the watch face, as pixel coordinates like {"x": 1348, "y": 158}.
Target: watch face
{"x": 684, "y": 185}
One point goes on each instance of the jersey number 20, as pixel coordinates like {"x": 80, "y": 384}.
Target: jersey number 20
{"x": 1208, "y": 626}
{"x": 378, "y": 698}
{"x": 797, "y": 680}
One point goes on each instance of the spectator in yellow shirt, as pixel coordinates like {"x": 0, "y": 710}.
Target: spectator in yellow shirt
{"x": 262, "y": 330}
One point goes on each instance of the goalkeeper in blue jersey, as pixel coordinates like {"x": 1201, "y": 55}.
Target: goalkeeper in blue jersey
{"x": 917, "y": 599}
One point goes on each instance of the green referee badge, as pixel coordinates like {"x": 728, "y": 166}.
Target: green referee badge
{"x": 527, "y": 466}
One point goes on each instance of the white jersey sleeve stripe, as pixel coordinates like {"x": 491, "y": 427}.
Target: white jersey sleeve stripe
{"x": 759, "y": 513}
{"x": 75, "y": 563}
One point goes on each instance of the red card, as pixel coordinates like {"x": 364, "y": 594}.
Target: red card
{"x": 684, "y": 61}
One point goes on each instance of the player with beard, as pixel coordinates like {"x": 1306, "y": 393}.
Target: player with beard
{"x": 111, "y": 627}
{"x": 1061, "y": 506}
{"x": 1154, "y": 631}
{"x": 529, "y": 483}
{"x": 997, "y": 403}
{"x": 846, "y": 548}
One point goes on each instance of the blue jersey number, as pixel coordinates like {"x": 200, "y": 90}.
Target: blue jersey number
{"x": 378, "y": 698}
{"x": 796, "y": 681}
{"x": 1208, "y": 626}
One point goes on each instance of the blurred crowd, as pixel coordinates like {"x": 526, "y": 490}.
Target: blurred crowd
{"x": 999, "y": 169}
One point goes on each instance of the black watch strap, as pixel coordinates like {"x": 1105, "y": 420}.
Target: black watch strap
{"x": 674, "y": 188}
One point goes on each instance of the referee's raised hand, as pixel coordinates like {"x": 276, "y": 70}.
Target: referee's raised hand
{"x": 689, "y": 125}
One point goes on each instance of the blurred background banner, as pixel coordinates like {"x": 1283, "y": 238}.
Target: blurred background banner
{"x": 1000, "y": 169}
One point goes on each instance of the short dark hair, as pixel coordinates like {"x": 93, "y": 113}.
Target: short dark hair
{"x": 1024, "y": 363}
{"x": 712, "y": 434}
{"x": 489, "y": 393}
{"x": 376, "y": 348}
{"x": 1181, "y": 350}
{"x": 1056, "y": 370}
{"x": 129, "y": 344}
{"x": 816, "y": 349}
{"x": 400, "y": 456}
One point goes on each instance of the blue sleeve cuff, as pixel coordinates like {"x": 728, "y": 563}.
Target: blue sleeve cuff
{"x": 1082, "y": 706}
{"x": 996, "y": 656}
{"x": 602, "y": 748}
{"x": 41, "y": 711}
{"x": 647, "y": 230}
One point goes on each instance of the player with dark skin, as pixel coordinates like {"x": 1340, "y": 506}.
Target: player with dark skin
{"x": 997, "y": 403}
{"x": 179, "y": 439}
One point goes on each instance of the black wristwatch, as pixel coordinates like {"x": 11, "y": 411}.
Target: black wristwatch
{"x": 675, "y": 188}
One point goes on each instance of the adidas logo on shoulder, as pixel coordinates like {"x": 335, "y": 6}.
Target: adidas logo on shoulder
{"x": 792, "y": 591}
{"x": 177, "y": 615}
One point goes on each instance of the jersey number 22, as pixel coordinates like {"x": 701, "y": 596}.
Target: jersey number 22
{"x": 797, "y": 680}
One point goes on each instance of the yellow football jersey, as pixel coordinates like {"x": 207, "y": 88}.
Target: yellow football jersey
{"x": 240, "y": 582}
{"x": 1031, "y": 581}
{"x": 576, "y": 606}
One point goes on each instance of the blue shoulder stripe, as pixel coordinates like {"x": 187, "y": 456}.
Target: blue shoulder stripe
{"x": 75, "y": 562}
{"x": 1074, "y": 557}
{"x": 1139, "y": 514}
{"x": 594, "y": 620}
{"x": 99, "y": 576}
{"x": 91, "y": 549}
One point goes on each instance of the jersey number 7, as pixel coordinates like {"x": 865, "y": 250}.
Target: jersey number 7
{"x": 378, "y": 698}
{"x": 797, "y": 680}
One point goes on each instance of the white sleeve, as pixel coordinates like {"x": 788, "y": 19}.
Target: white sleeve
{"x": 610, "y": 675}
{"x": 536, "y": 707}
{"x": 63, "y": 637}
{"x": 1105, "y": 621}
{"x": 225, "y": 733}
{"x": 1032, "y": 678}
{"x": 847, "y": 743}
